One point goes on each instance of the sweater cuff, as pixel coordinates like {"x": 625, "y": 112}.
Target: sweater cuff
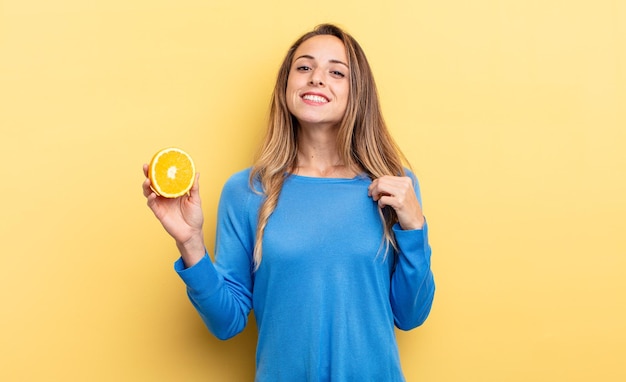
{"x": 411, "y": 240}
{"x": 201, "y": 278}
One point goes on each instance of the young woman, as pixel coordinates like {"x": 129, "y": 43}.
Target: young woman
{"x": 323, "y": 236}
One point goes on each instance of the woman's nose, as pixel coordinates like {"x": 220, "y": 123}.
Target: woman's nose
{"x": 316, "y": 79}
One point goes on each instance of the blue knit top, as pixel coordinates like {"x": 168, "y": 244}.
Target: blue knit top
{"x": 328, "y": 291}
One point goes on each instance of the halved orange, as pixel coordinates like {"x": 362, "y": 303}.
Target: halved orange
{"x": 171, "y": 172}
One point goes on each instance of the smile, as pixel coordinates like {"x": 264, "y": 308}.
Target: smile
{"x": 315, "y": 98}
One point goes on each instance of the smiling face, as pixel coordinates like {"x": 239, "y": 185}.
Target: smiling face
{"x": 318, "y": 83}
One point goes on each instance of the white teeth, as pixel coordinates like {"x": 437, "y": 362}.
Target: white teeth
{"x": 315, "y": 98}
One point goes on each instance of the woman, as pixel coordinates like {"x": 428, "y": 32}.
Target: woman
{"x": 324, "y": 236}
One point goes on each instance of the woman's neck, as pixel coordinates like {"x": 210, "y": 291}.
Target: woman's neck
{"x": 318, "y": 155}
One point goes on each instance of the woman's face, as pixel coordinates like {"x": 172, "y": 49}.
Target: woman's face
{"x": 318, "y": 82}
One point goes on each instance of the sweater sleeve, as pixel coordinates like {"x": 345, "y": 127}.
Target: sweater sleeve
{"x": 412, "y": 282}
{"x": 221, "y": 292}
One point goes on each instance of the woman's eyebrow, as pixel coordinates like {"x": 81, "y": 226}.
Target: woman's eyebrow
{"x": 333, "y": 61}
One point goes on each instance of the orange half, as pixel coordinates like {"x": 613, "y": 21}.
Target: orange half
{"x": 171, "y": 172}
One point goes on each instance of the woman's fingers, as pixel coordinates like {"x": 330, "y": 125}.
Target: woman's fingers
{"x": 398, "y": 193}
{"x": 194, "y": 191}
{"x": 390, "y": 187}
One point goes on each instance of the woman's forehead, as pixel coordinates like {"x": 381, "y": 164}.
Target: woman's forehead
{"x": 322, "y": 48}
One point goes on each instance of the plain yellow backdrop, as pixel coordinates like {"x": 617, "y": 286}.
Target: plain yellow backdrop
{"x": 512, "y": 114}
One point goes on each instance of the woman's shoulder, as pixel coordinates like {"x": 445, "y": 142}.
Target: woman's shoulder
{"x": 410, "y": 173}
{"x": 240, "y": 176}
{"x": 239, "y": 182}
{"x": 238, "y": 179}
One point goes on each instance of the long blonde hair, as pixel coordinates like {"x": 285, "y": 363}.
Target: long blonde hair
{"x": 363, "y": 140}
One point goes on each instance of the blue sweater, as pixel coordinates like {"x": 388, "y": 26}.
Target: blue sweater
{"x": 328, "y": 292}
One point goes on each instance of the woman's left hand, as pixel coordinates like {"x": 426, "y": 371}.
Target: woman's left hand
{"x": 398, "y": 193}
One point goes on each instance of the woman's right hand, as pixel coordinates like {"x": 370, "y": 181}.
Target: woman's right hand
{"x": 181, "y": 217}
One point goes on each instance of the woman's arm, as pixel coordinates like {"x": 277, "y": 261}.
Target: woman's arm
{"x": 221, "y": 292}
{"x": 412, "y": 282}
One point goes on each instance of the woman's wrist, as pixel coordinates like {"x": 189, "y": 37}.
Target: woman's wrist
{"x": 192, "y": 250}
{"x": 417, "y": 223}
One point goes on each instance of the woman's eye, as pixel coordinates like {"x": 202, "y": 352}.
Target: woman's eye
{"x": 303, "y": 68}
{"x": 337, "y": 74}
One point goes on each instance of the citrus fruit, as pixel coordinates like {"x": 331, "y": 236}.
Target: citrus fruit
{"x": 171, "y": 172}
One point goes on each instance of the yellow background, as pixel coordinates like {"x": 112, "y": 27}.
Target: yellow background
{"x": 511, "y": 112}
